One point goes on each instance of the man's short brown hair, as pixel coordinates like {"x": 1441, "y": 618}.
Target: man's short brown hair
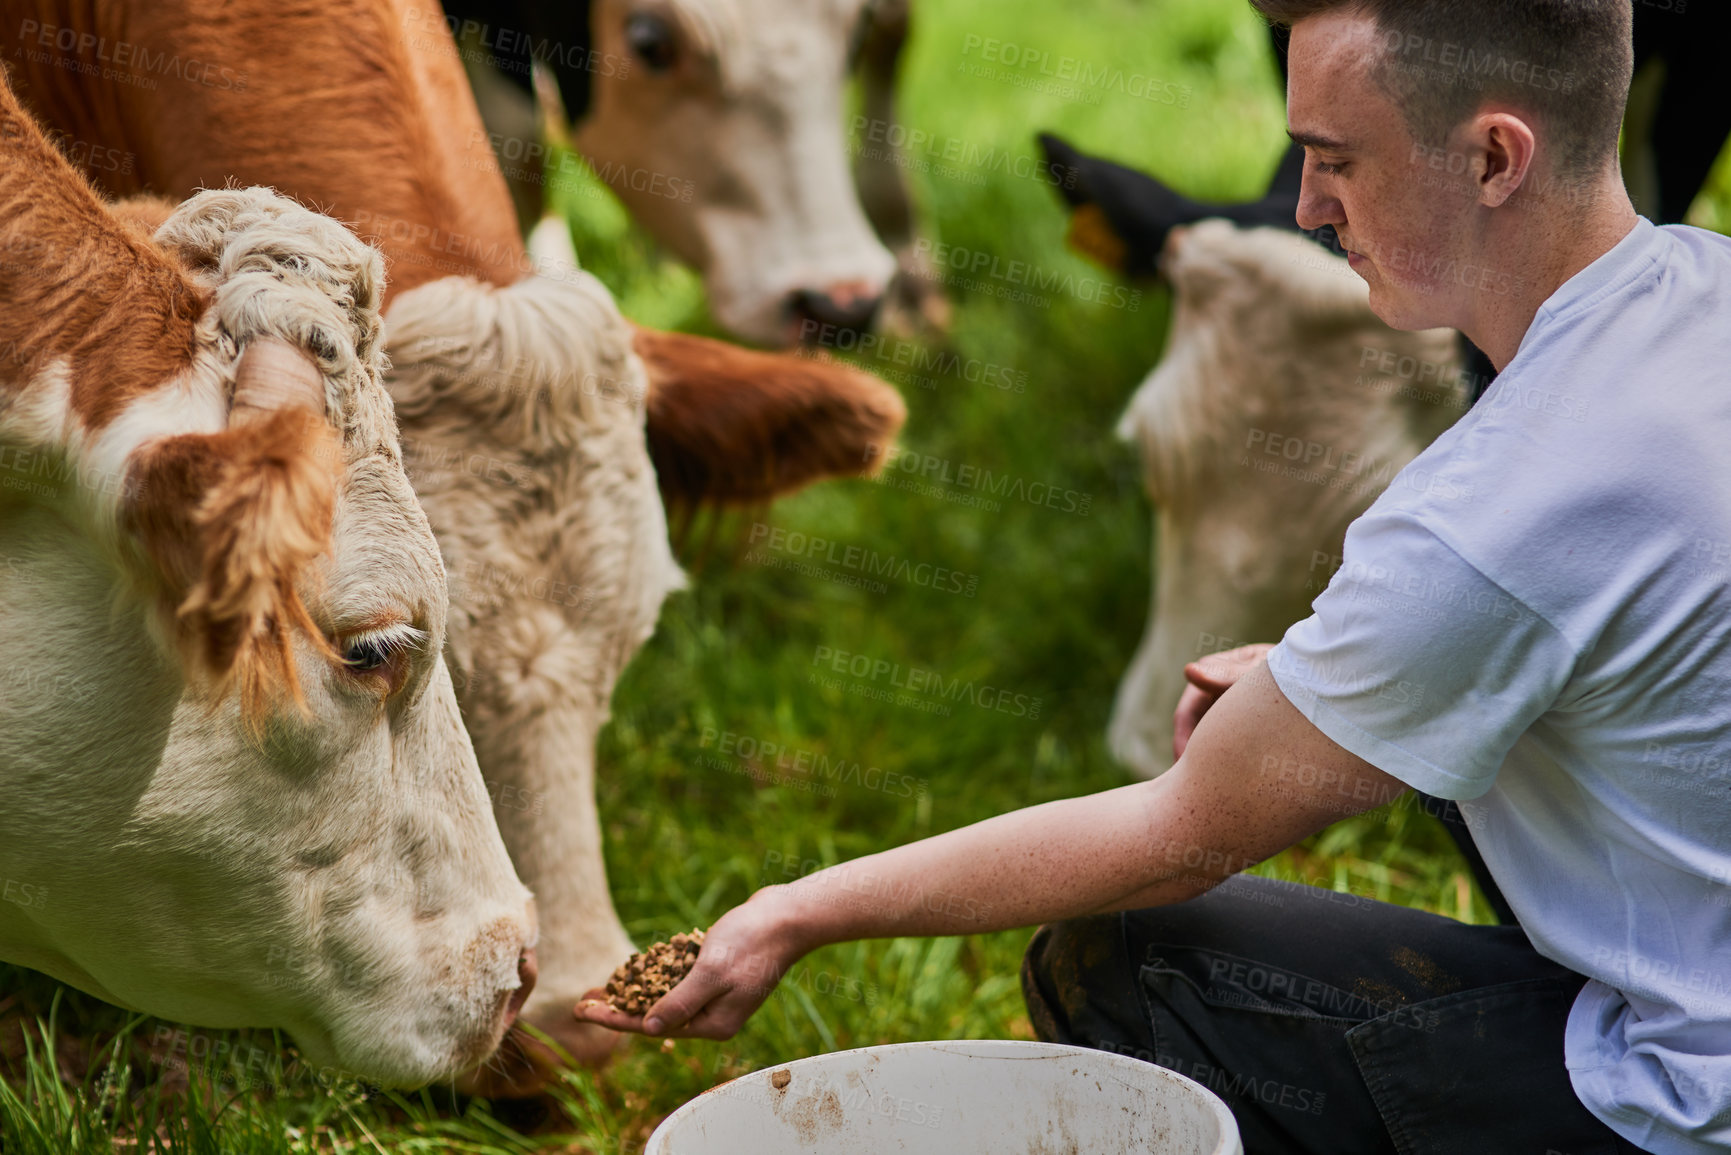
{"x": 1567, "y": 61}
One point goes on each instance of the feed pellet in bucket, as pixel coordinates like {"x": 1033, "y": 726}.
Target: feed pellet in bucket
{"x": 643, "y": 978}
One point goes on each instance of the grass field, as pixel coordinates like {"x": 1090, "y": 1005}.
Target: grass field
{"x": 1056, "y": 606}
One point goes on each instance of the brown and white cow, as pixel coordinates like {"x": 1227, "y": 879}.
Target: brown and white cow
{"x": 1281, "y": 408}
{"x": 237, "y": 790}
{"x": 537, "y": 424}
{"x": 719, "y": 123}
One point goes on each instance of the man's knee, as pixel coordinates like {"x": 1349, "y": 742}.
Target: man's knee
{"x": 1079, "y": 985}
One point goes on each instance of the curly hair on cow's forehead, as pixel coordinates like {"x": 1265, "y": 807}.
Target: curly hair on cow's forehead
{"x": 1567, "y": 61}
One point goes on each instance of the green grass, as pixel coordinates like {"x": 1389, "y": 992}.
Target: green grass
{"x": 1059, "y": 606}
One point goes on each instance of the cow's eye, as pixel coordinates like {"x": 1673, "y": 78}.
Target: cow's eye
{"x": 652, "y": 39}
{"x": 368, "y": 654}
{"x": 381, "y": 654}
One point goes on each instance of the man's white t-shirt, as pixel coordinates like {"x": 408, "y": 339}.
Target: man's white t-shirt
{"x": 1536, "y": 616}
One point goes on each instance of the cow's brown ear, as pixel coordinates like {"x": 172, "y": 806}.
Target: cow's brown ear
{"x": 232, "y": 521}
{"x": 731, "y": 426}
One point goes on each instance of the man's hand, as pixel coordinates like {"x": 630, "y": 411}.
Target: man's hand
{"x": 1209, "y": 678}
{"x": 744, "y": 955}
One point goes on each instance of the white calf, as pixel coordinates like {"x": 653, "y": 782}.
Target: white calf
{"x": 1281, "y": 408}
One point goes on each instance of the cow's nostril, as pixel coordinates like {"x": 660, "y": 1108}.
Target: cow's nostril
{"x": 827, "y": 316}
{"x": 527, "y": 970}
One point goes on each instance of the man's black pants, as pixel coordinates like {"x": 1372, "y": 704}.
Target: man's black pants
{"x": 1331, "y": 1024}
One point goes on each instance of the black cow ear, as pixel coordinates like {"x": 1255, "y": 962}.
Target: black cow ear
{"x": 1119, "y": 217}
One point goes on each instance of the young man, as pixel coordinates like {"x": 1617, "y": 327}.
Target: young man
{"x": 1541, "y": 629}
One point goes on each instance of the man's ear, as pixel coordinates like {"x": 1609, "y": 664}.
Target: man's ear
{"x": 1505, "y": 148}
{"x": 731, "y": 426}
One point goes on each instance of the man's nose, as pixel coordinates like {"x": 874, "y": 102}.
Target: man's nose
{"x": 1317, "y": 206}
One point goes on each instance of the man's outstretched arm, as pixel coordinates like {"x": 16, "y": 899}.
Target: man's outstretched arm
{"x": 1235, "y": 798}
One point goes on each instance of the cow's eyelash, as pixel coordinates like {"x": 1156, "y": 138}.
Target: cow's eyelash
{"x": 392, "y": 640}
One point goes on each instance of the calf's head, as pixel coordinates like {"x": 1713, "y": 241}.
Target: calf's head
{"x": 235, "y": 759}
{"x": 720, "y": 126}
{"x": 1280, "y": 409}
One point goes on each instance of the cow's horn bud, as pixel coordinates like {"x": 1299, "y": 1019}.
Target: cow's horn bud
{"x": 274, "y": 375}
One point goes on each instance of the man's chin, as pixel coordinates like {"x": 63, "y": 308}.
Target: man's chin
{"x": 1399, "y": 314}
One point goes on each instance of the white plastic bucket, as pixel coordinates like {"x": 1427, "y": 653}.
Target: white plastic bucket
{"x": 955, "y": 1098}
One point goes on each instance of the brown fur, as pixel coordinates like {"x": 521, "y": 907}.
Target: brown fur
{"x": 230, "y": 520}
{"x": 729, "y": 426}
{"x": 76, "y": 286}
{"x": 381, "y": 143}
{"x": 324, "y": 102}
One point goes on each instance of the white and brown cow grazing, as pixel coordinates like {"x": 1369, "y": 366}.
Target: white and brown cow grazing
{"x": 541, "y": 431}
{"x": 1281, "y": 408}
{"x": 237, "y": 790}
{"x": 719, "y": 123}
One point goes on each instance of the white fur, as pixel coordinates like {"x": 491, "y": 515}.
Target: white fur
{"x": 341, "y": 877}
{"x": 559, "y": 561}
{"x": 1268, "y": 336}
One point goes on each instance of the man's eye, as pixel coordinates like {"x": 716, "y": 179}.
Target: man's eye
{"x": 1327, "y": 169}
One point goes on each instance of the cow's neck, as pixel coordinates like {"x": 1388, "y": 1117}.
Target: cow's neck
{"x": 87, "y": 699}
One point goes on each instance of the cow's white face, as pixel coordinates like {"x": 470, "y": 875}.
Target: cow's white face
{"x": 340, "y": 876}
{"x": 724, "y": 136}
{"x": 334, "y": 871}
{"x": 1280, "y": 409}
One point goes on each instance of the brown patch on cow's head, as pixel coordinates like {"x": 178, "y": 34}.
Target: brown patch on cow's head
{"x": 78, "y": 289}
{"x": 731, "y": 426}
{"x": 232, "y": 521}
